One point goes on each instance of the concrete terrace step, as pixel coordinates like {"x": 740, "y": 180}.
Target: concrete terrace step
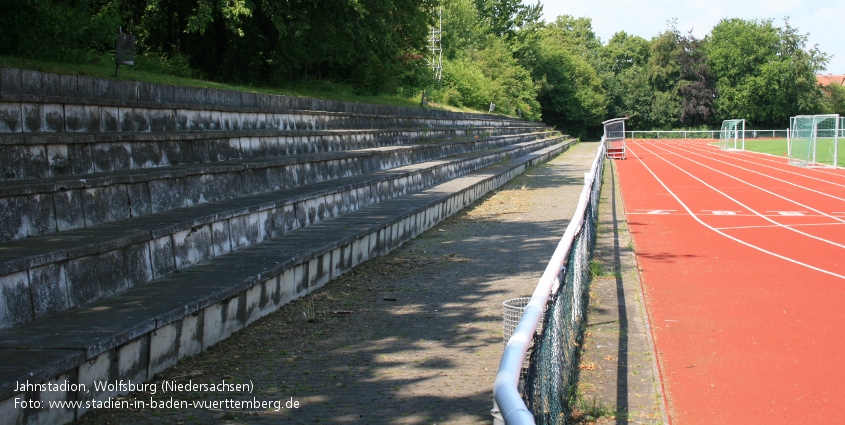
{"x": 36, "y": 102}
{"x": 52, "y": 273}
{"x": 42, "y": 87}
{"x": 143, "y": 330}
{"x": 43, "y": 155}
{"x": 143, "y": 223}
{"x": 44, "y": 206}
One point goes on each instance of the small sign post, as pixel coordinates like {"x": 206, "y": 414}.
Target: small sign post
{"x": 124, "y": 51}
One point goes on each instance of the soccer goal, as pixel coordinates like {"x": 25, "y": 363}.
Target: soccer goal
{"x": 614, "y": 138}
{"x": 814, "y": 141}
{"x": 732, "y": 136}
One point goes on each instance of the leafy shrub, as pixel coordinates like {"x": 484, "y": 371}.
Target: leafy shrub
{"x": 57, "y": 30}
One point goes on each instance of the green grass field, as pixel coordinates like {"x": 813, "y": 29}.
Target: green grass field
{"x": 778, "y": 147}
{"x": 770, "y": 146}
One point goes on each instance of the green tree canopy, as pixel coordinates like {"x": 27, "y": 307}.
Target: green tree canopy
{"x": 571, "y": 92}
{"x": 765, "y": 72}
{"x": 623, "y": 68}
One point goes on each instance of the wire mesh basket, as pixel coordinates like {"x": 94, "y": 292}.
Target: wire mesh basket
{"x": 514, "y": 308}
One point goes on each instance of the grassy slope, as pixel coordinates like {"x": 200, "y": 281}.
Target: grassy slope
{"x": 106, "y": 69}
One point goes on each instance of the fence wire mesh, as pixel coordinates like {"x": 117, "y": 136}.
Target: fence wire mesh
{"x": 801, "y": 140}
{"x": 553, "y": 366}
{"x": 826, "y": 135}
{"x": 814, "y": 141}
{"x": 732, "y": 135}
{"x": 705, "y": 134}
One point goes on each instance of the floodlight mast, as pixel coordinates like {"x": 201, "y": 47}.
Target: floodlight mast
{"x": 435, "y": 48}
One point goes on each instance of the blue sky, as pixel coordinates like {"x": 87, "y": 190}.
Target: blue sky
{"x": 824, "y": 20}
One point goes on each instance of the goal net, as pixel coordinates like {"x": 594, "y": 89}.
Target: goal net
{"x": 732, "y": 136}
{"x": 814, "y": 141}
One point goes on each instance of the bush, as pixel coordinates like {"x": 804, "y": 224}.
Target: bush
{"x": 54, "y": 30}
{"x": 174, "y": 64}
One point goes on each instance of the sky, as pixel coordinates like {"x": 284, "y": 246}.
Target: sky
{"x": 822, "y": 19}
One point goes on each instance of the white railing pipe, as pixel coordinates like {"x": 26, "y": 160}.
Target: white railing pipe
{"x": 506, "y": 385}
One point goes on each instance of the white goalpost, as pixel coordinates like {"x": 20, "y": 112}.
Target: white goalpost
{"x": 814, "y": 141}
{"x": 732, "y": 135}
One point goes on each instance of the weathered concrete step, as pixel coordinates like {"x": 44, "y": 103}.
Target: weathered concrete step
{"x": 71, "y": 117}
{"x": 35, "y": 156}
{"x": 42, "y": 87}
{"x": 84, "y": 116}
{"x": 123, "y": 112}
{"x": 45, "y": 275}
{"x": 144, "y": 330}
{"x": 267, "y": 158}
{"x": 45, "y": 206}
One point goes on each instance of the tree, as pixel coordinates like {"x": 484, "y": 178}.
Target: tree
{"x": 462, "y": 29}
{"x": 59, "y": 30}
{"x": 490, "y": 74}
{"x": 571, "y": 92}
{"x": 506, "y": 17}
{"x": 697, "y": 84}
{"x": 577, "y": 33}
{"x": 479, "y": 40}
{"x": 834, "y": 100}
{"x": 624, "y": 51}
{"x": 623, "y": 69}
{"x": 765, "y": 73}
{"x": 664, "y": 74}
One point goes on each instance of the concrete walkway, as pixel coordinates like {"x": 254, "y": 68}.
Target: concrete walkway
{"x": 413, "y": 337}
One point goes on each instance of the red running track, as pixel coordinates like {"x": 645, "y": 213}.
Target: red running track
{"x": 742, "y": 260}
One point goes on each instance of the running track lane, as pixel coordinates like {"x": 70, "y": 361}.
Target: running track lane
{"x": 748, "y": 322}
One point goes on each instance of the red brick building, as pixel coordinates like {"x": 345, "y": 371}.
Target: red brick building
{"x": 826, "y": 80}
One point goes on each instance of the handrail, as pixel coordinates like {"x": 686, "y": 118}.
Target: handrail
{"x": 505, "y": 386}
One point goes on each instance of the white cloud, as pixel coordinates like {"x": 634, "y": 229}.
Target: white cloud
{"x": 647, "y": 18}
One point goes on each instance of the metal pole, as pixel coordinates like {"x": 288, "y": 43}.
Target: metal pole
{"x": 836, "y": 143}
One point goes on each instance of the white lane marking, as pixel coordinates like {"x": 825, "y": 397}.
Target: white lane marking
{"x": 746, "y": 206}
{"x": 720, "y": 212}
{"x": 729, "y": 236}
{"x": 790, "y": 213}
{"x": 749, "y": 184}
{"x": 773, "y": 226}
{"x": 765, "y": 166}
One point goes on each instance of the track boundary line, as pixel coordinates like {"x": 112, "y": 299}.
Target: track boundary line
{"x": 695, "y": 217}
{"x": 763, "y": 216}
{"x": 786, "y": 225}
{"x": 753, "y": 154}
{"x": 765, "y": 166}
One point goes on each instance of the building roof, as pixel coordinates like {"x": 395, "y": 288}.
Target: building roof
{"x": 826, "y": 80}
